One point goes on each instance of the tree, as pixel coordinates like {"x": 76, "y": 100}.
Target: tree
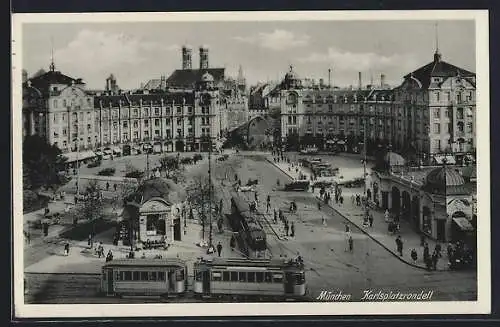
{"x": 198, "y": 197}
{"x": 90, "y": 206}
{"x": 169, "y": 164}
{"x": 42, "y": 162}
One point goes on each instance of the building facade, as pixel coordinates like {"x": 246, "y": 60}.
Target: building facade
{"x": 435, "y": 109}
{"x": 60, "y": 108}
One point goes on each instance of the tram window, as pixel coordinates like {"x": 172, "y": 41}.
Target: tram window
{"x": 161, "y": 276}
{"x": 251, "y": 276}
{"x": 198, "y": 275}
{"x": 242, "y": 276}
{"x": 179, "y": 274}
{"x": 278, "y": 278}
{"x": 299, "y": 279}
{"x": 135, "y": 275}
{"x": 225, "y": 276}
{"x": 234, "y": 276}
{"x": 104, "y": 275}
{"x": 216, "y": 276}
{"x": 152, "y": 275}
{"x": 259, "y": 277}
{"x": 127, "y": 275}
{"x": 144, "y": 275}
{"x": 268, "y": 277}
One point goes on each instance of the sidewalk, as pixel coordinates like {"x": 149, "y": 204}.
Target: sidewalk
{"x": 379, "y": 232}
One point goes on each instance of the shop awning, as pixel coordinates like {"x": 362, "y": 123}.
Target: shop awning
{"x": 463, "y": 223}
{"x": 440, "y": 158}
{"x": 82, "y": 155}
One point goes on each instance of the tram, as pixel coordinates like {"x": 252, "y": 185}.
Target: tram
{"x": 278, "y": 279}
{"x": 243, "y": 222}
{"x": 144, "y": 277}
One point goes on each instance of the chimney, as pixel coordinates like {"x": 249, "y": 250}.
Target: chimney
{"x": 321, "y": 82}
{"x": 382, "y": 80}
{"x": 329, "y": 77}
{"x": 187, "y": 57}
{"x": 360, "y": 83}
{"x": 203, "y": 57}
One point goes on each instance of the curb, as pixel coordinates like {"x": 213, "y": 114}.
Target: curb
{"x": 361, "y": 229}
{"x": 377, "y": 241}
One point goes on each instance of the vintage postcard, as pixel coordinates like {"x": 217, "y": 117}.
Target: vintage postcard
{"x": 317, "y": 162}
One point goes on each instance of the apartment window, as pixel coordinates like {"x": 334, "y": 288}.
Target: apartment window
{"x": 136, "y": 124}
{"x": 330, "y": 108}
{"x": 469, "y": 112}
{"x": 179, "y": 110}
{"x": 125, "y": 124}
{"x": 157, "y": 132}
{"x": 289, "y": 120}
{"x": 136, "y": 135}
{"x": 55, "y": 103}
{"x": 89, "y": 128}
{"x": 65, "y": 104}
{"x": 437, "y": 97}
{"x": 469, "y": 128}
{"x": 294, "y": 120}
{"x": 437, "y": 113}
{"x": 459, "y": 97}
{"x": 179, "y": 121}
{"x": 157, "y": 122}
{"x": 190, "y": 110}
{"x": 115, "y": 125}
{"x": 63, "y": 116}
{"x": 450, "y": 128}
{"x": 136, "y": 113}
{"x": 460, "y": 126}
{"x": 448, "y": 113}
{"x": 460, "y": 113}
{"x": 437, "y": 128}
{"x": 146, "y": 133}
{"x": 167, "y": 133}
{"x": 469, "y": 97}
{"x": 146, "y": 112}
{"x": 157, "y": 111}
{"x": 65, "y": 132}
{"x": 437, "y": 145}
{"x": 146, "y": 123}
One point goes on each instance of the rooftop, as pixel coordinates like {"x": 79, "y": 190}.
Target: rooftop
{"x": 189, "y": 77}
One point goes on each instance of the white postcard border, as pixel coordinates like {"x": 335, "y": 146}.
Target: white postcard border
{"x": 483, "y": 303}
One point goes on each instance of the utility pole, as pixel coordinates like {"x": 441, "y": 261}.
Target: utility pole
{"x": 364, "y": 171}
{"x": 210, "y": 188}
{"x": 147, "y": 163}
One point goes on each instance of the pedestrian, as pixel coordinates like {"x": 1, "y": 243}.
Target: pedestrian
{"x": 323, "y": 221}
{"x": 399, "y": 245}
{"x": 286, "y": 228}
{"x": 89, "y": 241}
{"x": 386, "y": 216}
{"x": 351, "y": 244}
{"x": 232, "y": 242}
{"x": 66, "y": 249}
{"x": 275, "y": 216}
{"x": 449, "y": 250}
{"x": 115, "y": 186}
{"x": 28, "y": 237}
{"x": 319, "y": 205}
{"x": 426, "y": 252}
{"x": 414, "y": 255}
{"x": 370, "y": 219}
{"x": 437, "y": 248}
{"x": 107, "y": 186}
{"x": 347, "y": 228}
{"x": 422, "y": 240}
{"x": 219, "y": 248}
{"x": 292, "y": 228}
{"x": 341, "y": 200}
{"x": 435, "y": 257}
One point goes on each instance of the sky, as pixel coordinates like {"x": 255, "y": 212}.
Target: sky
{"x": 137, "y": 52}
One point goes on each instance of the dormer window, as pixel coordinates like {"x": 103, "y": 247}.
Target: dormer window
{"x": 54, "y": 88}
{"x": 436, "y": 79}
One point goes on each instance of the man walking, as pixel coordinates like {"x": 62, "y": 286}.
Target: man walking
{"x": 370, "y": 219}
{"x": 292, "y": 229}
{"x": 268, "y": 206}
{"x": 351, "y": 244}
{"x": 399, "y": 245}
{"x": 219, "y": 248}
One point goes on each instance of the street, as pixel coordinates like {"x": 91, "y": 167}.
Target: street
{"x": 329, "y": 266}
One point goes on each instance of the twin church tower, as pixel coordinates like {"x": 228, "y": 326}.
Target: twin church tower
{"x": 187, "y": 57}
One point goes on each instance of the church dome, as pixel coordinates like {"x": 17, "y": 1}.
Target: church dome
{"x": 394, "y": 159}
{"x": 291, "y": 76}
{"x": 207, "y": 77}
